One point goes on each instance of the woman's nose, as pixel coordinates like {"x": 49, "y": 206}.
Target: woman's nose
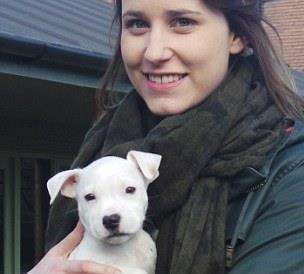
{"x": 157, "y": 49}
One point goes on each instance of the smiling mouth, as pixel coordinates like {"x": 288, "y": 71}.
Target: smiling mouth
{"x": 163, "y": 83}
{"x": 165, "y": 78}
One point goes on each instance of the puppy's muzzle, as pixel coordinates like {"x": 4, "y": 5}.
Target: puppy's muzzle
{"x": 111, "y": 222}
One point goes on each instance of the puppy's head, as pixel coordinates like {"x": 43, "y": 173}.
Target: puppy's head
{"x": 111, "y": 194}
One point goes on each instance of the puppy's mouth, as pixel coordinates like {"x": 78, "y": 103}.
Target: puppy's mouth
{"x": 117, "y": 235}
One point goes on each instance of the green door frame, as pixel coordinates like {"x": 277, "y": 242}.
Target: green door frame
{"x": 12, "y": 215}
{"x": 11, "y": 164}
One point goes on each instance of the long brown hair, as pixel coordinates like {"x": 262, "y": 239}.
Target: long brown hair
{"x": 245, "y": 19}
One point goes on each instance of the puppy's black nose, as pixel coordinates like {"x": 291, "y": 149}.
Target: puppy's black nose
{"x": 111, "y": 222}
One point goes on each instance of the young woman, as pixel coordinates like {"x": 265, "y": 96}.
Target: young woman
{"x": 215, "y": 100}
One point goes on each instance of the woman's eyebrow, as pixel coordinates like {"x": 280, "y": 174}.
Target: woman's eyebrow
{"x": 181, "y": 12}
{"x": 169, "y": 13}
{"x": 133, "y": 13}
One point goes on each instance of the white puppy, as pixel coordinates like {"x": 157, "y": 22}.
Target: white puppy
{"x": 112, "y": 201}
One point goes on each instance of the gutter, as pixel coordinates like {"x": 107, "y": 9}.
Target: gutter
{"x": 37, "y": 50}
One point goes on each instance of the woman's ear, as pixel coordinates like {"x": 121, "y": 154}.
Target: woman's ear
{"x": 237, "y": 44}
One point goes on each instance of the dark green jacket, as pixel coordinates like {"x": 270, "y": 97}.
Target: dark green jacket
{"x": 267, "y": 225}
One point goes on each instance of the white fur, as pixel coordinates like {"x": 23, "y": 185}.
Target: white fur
{"x": 107, "y": 179}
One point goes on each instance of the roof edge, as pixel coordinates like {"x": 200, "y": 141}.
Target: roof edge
{"x": 39, "y": 50}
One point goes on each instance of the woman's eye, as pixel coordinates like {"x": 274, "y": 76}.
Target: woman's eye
{"x": 136, "y": 23}
{"x": 183, "y": 23}
{"x": 90, "y": 197}
{"x": 130, "y": 189}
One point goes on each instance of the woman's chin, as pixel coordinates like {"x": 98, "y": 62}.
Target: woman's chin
{"x": 161, "y": 109}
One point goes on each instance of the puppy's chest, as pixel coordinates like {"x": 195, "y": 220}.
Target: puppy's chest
{"x": 136, "y": 253}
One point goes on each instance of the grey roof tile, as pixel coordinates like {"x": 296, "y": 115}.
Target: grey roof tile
{"x": 80, "y": 24}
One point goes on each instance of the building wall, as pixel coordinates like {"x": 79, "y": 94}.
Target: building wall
{"x": 288, "y": 18}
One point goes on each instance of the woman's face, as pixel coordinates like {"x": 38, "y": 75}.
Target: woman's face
{"x": 175, "y": 52}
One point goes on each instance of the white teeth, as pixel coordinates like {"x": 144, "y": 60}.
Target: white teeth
{"x": 158, "y": 80}
{"x": 170, "y": 78}
{"x": 155, "y": 79}
{"x": 175, "y": 78}
{"x": 164, "y": 79}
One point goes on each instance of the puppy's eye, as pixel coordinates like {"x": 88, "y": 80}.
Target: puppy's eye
{"x": 90, "y": 197}
{"x": 130, "y": 189}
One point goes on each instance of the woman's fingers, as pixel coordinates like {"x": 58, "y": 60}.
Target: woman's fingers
{"x": 53, "y": 265}
{"x": 68, "y": 244}
{"x": 87, "y": 267}
{"x": 55, "y": 261}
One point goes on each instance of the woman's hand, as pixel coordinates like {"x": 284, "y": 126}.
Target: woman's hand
{"x": 56, "y": 260}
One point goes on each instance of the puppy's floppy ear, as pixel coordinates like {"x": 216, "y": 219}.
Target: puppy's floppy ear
{"x": 65, "y": 182}
{"x": 148, "y": 163}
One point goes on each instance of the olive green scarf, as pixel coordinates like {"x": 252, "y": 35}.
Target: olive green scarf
{"x": 203, "y": 150}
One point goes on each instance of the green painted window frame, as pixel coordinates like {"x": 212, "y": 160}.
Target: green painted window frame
{"x": 12, "y": 215}
{"x": 11, "y": 164}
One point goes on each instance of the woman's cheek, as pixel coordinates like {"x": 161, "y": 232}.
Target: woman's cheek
{"x": 131, "y": 50}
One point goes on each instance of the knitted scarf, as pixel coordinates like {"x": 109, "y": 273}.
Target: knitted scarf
{"x": 203, "y": 150}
